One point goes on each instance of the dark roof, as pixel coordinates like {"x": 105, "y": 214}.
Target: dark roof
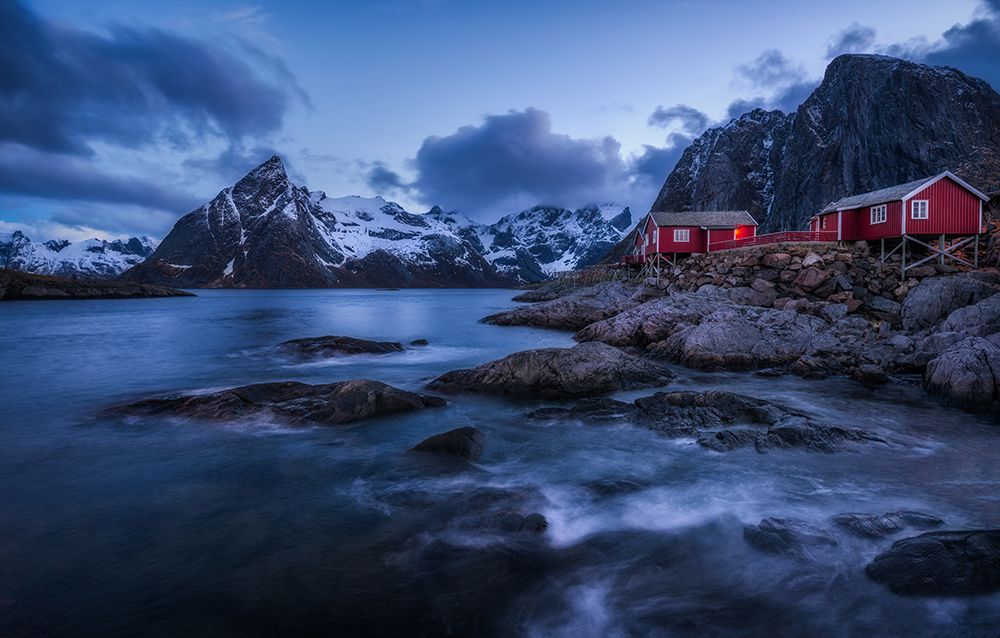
{"x": 891, "y": 194}
{"x": 707, "y": 219}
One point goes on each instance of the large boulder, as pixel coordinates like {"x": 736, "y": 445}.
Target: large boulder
{"x": 981, "y": 319}
{"x": 571, "y": 311}
{"x": 967, "y": 374}
{"x": 653, "y": 320}
{"x": 319, "y": 347}
{"x": 937, "y": 297}
{"x": 583, "y": 370}
{"x": 709, "y": 329}
{"x": 464, "y": 443}
{"x": 292, "y": 402}
{"x": 743, "y": 338}
{"x": 960, "y": 563}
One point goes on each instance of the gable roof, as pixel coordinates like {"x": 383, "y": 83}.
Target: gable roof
{"x": 705, "y": 219}
{"x": 896, "y": 193}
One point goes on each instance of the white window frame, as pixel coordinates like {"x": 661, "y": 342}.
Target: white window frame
{"x": 879, "y": 214}
{"x": 925, "y": 213}
{"x": 822, "y": 222}
{"x": 682, "y": 235}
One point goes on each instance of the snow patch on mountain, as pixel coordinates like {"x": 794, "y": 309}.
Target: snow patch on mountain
{"x": 533, "y": 244}
{"x": 97, "y": 258}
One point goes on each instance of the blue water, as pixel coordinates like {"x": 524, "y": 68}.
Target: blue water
{"x": 167, "y": 527}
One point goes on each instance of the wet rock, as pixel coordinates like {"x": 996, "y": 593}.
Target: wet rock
{"x": 571, "y": 311}
{"x": 786, "y": 536}
{"x": 585, "y": 369}
{"x": 876, "y": 526}
{"x": 960, "y": 563}
{"x": 419, "y": 342}
{"x": 615, "y": 487}
{"x": 514, "y": 522}
{"x": 465, "y": 443}
{"x": 967, "y": 374}
{"x": 870, "y": 374}
{"x": 937, "y": 297}
{"x": 720, "y": 421}
{"x": 317, "y": 347}
{"x": 290, "y": 401}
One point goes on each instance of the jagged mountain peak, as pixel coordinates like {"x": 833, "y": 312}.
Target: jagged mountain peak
{"x": 874, "y": 121}
{"x": 267, "y": 232}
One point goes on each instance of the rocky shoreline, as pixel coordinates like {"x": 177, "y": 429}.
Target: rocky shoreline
{"x": 943, "y": 326}
{"x": 805, "y": 309}
{"x": 20, "y": 286}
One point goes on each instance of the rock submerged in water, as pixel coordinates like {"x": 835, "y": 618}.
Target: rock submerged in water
{"x": 419, "y": 342}
{"x": 585, "y": 369}
{"x": 786, "y": 536}
{"x": 961, "y": 563}
{"x": 465, "y": 443}
{"x": 329, "y": 345}
{"x": 874, "y": 526}
{"x": 720, "y": 421}
{"x": 293, "y": 402}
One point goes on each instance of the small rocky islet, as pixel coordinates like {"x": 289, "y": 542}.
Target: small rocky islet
{"x": 940, "y": 324}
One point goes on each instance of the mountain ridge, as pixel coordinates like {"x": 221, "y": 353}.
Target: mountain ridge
{"x": 873, "y": 121}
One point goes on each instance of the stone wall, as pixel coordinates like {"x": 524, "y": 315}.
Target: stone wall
{"x": 796, "y": 274}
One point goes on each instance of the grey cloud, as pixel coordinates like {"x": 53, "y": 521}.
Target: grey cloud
{"x": 516, "y": 156}
{"x": 690, "y": 119}
{"x": 856, "y": 38}
{"x": 63, "y": 88}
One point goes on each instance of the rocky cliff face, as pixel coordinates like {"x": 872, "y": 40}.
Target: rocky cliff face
{"x": 874, "y": 121}
{"x": 266, "y": 232}
{"x": 533, "y": 244}
{"x": 93, "y": 258}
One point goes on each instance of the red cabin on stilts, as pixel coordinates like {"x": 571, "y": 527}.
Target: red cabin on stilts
{"x": 938, "y": 208}
{"x": 671, "y": 235}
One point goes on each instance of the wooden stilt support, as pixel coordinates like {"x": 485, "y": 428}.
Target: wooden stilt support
{"x": 882, "y": 252}
{"x": 903, "y": 271}
{"x": 941, "y": 248}
{"x": 975, "y": 251}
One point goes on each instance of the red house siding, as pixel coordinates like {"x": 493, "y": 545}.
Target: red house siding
{"x": 951, "y": 209}
{"x": 891, "y": 227}
{"x": 668, "y": 245}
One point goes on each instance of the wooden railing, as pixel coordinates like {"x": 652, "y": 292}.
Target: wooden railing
{"x": 774, "y": 238}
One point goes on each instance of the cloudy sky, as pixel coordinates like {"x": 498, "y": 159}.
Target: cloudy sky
{"x": 117, "y": 117}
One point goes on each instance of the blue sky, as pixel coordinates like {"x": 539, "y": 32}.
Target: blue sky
{"x": 123, "y": 116}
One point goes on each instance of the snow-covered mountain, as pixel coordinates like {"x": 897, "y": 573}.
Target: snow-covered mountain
{"x": 267, "y": 232}
{"x": 533, "y": 244}
{"x": 91, "y": 258}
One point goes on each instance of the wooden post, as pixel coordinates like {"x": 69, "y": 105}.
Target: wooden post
{"x": 941, "y": 249}
{"x": 902, "y": 272}
{"x": 882, "y": 255}
{"x": 975, "y": 251}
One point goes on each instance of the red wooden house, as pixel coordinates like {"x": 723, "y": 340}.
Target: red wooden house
{"x": 683, "y": 233}
{"x": 940, "y": 206}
